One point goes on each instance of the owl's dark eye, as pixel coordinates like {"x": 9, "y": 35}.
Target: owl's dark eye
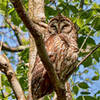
{"x": 54, "y": 27}
{"x": 66, "y": 25}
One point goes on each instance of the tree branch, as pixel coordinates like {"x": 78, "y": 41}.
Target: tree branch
{"x": 3, "y": 26}
{"x": 91, "y": 52}
{"x": 85, "y": 58}
{"x": 85, "y": 39}
{"x": 6, "y": 68}
{"x": 36, "y": 8}
{"x": 81, "y": 4}
{"x": 16, "y": 30}
{"x": 13, "y": 49}
{"x": 36, "y": 33}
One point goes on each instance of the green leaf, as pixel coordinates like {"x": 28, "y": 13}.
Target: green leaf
{"x": 85, "y": 30}
{"x": 98, "y": 92}
{"x": 73, "y": 8}
{"x": 83, "y": 85}
{"x": 3, "y": 6}
{"x": 85, "y": 71}
{"x": 90, "y": 41}
{"x": 87, "y": 62}
{"x": 46, "y": 98}
{"x": 23, "y": 28}
{"x": 15, "y": 18}
{"x": 96, "y": 55}
{"x": 24, "y": 55}
{"x": 79, "y": 98}
{"x": 96, "y": 23}
{"x": 85, "y": 93}
{"x": 4, "y": 80}
{"x": 61, "y": 1}
{"x": 75, "y": 89}
{"x": 89, "y": 98}
{"x": 98, "y": 98}
{"x": 80, "y": 41}
{"x": 80, "y": 22}
{"x": 46, "y": 1}
{"x": 86, "y": 14}
{"x": 50, "y": 12}
{"x": 95, "y": 78}
{"x": 8, "y": 89}
{"x": 11, "y": 11}
{"x": 98, "y": 34}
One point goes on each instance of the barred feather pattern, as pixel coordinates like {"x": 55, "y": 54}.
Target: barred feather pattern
{"x": 62, "y": 49}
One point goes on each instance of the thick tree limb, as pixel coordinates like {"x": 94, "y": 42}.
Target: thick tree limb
{"x": 32, "y": 57}
{"x": 13, "y": 49}
{"x": 36, "y": 13}
{"x": 6, "y": 68}
{"x": 36, "y": 33}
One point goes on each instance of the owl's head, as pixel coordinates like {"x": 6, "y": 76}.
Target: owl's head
{"x": 60, "y": 24}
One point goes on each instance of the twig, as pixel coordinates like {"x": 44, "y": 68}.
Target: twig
{"x": 88, "y": 55}
{"x": 85, "y": 39}
{"x": 1, "y": 43}
{"x": 0, "y": 71}
{"x": 3, "y": 26}
{"x": 13, "y": 49}
{"x": 16, "y": 30}
{"x": 2, "y": 93}
{"x": 75, "y": 67}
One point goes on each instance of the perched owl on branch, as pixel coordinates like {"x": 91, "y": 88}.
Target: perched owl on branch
{"x": 62, "y": 49}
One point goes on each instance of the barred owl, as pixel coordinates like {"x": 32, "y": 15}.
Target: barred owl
{"x": 61, "y": 46}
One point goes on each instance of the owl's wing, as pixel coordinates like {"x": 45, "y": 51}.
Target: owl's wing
{"x": 41, "y": 84}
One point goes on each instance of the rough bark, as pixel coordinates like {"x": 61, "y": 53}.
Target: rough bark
{"x": 36, "y": 13}
{"x": 6, "y": 68}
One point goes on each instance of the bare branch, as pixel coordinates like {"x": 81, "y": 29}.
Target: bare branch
{"x": 6, "y": 68}
{"x": 16, "y": 30}
{"x": 2, "y": 93}
{"x": 3, "y": 26}
{"x": 0, "y": 71}
{"x": 88, "y": 55}
{"x": 36, "y": 33}
{"x": 85, "y": 58}
{"x": 85, "y": 40}
{"x": 13, "y": 49}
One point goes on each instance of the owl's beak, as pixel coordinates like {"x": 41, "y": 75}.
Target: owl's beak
{"x": 58, "y": 31}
